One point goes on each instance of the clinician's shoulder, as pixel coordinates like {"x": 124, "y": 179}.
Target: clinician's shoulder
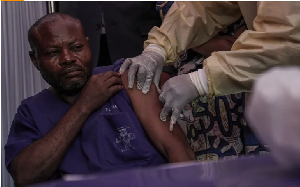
{"x": 115, "y": 67}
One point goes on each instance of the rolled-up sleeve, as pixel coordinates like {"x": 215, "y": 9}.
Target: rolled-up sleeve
{"x": 22, "y": 133}
{"x": 275, "y": 41}
{"x": 189, "y": 24}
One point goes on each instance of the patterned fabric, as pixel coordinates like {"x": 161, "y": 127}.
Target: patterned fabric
{"x": 216, "y": 126}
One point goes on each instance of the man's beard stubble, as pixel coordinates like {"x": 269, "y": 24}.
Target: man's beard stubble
{"x": 70, "y": 89}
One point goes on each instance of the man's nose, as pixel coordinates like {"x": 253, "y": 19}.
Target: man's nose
{"x": 67, "y": 57}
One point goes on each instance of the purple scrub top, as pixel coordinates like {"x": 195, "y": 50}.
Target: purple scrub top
{"x": 112, "y": 138}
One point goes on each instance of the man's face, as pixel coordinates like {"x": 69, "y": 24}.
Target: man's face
{"x": 63, "y": 55}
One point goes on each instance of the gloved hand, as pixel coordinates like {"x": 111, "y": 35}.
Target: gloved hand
{"x": 148, "y": 67}
{"x": 181, "y": 90}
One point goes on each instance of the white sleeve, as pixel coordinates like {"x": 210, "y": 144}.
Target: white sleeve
{"x": 273, "y": 113}
{"x": 200, "y": 81}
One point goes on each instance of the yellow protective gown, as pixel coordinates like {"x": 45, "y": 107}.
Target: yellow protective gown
{"x": 273, "y": 39}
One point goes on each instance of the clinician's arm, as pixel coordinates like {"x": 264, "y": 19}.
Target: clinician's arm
{"x": 173, "y": 145}
{"x": 190, "y": 24}
{"x": 274, "y": 42}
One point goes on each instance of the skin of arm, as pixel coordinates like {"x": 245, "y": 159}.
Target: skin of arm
{"x": 163, "y": 78}
{"x": 173, "y": 145}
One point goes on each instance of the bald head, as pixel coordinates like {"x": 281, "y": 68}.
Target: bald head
{"x": 47, "y": 20}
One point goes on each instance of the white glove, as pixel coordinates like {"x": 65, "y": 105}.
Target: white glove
{"x": 274, "y": 114}
{"x": 179, "y": 91}
{"x": 148, "y": 67}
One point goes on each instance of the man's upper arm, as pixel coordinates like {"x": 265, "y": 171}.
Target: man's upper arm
{"x": 147, "y": 108}
{"x": 23, "y": 132}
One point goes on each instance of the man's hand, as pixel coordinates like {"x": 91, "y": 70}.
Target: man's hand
{"x": 99, "y": 89}
{"x": 148, "y": 66}
{"x": 176, "y": 93}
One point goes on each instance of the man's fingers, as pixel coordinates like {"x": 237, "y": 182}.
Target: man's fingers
{"x": 141, "y": 77}
{"x": 113, "y": 81}
{"x": 131, "y": 75}
{"x": 125, "y": 65}
{"x": 115, "y": 89}
{"x": 175, "y": 116}
{"x": 148, "y": 82}
{"x": 110, "y": 74}
{"x": 99, "y": 74}
{"x": 165, "y": 112}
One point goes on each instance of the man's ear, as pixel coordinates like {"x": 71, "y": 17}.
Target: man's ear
{"x": 33, "y": 59}
{"x": 87, "y": 39}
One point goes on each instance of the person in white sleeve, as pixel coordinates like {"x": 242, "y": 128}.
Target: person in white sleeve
{"x": 273, "y": 114}
{"x": 272, "y": 39}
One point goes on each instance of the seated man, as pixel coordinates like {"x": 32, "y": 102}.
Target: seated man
{"x": 85, "y": 122}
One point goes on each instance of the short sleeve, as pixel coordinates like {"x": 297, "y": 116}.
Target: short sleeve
{"x": 117, "y": 65}
{"x": 22, "y": 133}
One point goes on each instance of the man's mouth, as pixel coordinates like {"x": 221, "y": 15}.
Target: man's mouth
{"x": 72, "y": 74}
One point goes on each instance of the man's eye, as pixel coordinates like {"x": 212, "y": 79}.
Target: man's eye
{"x": 77, "y": 48}
{"x": 52, "y": 53}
